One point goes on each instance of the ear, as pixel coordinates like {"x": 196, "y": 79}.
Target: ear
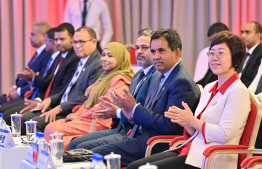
{"x": 177, "y": 53}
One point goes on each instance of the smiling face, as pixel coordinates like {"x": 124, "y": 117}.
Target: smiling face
{"x": 221, "y": 63}
{"x": 108, "y": 61}
{"x": 143, "y": 54}
{"x": 162, "y": 55}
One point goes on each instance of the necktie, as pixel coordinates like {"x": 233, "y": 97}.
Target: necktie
{"x": 141, "y": 76}
{"x": 259, "y": 86}
{"x": 72, "y": 82}
{"x": 84, "y": 14}
{"x": 48, "y": 66}
{"x": 32, "y": 59}
{"x": 241, "y": 67}
{"x": 50, "y": 84}
{"x": 154, "y": 91}
{"x": 150, "y": 100}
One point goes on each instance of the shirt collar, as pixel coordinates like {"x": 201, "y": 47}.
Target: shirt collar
{"x": 40, "y": 49}
{"x": 146, "y": 70}
{"x": 250, "y": 51}
{"x": 222, "y": 89}
{"x": 84, "y": 60}
{"x": 54, "y": 55}
{"x": 64, "y": 54}
{"x": 166, "y": 74}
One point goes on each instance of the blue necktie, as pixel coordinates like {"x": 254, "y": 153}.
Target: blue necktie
{"x": 72, "y": 82}
{"x": 48, "y": 66}
{"x": 32, "y": 60}
{"x": 241, "y": 67}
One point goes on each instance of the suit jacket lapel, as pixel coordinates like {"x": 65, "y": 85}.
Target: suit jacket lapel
{"x": 251, "y": 58}
{"x": 202, "y": 105}
{"x": 149, "y": 73}
{"x": 168, "y": 81}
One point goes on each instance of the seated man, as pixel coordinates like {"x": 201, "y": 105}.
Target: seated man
{"x": 138, "y": 88}
{"x": 37, "y": 63}
{"x": 170, "y": 88}
{"x": 88, "y": 70}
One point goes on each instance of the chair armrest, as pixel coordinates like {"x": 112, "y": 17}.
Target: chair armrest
{"x": 211, "y": 151}
{"x": 252, "y": 161}
{"x": 245, "y": 161}
{"x": 28, "y": 93}
{"x": 76, "y": 108}
{"x": 158, "y": 139}
{"x": 176, "y": 141}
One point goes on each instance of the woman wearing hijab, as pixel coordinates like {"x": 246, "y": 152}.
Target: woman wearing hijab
{"x": 117, "y": 76}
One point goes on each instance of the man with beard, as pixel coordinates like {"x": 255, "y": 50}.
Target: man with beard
{"x": 138, "y": 88}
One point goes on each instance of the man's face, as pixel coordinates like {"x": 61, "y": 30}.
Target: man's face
{"x": 162, "y": 56}
{"x": 83, "y": 44}
{"x": 63, "y": 41}
{"x": 249, "y": 35}
{"x": 49, "y": 44}
{"x": 143, "y": 54}
{"x": 37, "y": 38}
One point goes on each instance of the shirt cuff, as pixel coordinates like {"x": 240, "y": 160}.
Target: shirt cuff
{"x": 18, "y": 90}
{"x": 133, "y": 111}
{"x": 38, "y": 99}
{"x": 203, "y": 132}
{"x": 32, "y": 87}
{"x": 118, "y": 113}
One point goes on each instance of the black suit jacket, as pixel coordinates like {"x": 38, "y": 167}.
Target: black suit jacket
{"x": 251, "y": 68}
{"x": 63, "y": 76}
{"x": 38, "y": 66}
{"x": 90, "y": 73}
{"x": 178, "y": 87}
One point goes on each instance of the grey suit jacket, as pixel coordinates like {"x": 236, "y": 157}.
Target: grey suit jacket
{"x": 90, "y": 73}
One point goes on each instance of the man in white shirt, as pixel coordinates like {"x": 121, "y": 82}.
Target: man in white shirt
{"x": 90, "y": 13}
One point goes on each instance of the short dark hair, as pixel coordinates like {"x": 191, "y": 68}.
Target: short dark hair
{"x": 90, "y": 31}
{"x": 51, "y": 33}
{"x": 258, "y": 27}
{"x": 146, "y": 32}
{"x": 216, "y": 28}
{"x": 235, "y": 44}
{"x": 66, "y": 26}
{"x": 172, "y": 37}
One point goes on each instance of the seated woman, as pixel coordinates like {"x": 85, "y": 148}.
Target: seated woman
{"x": 220, "y": 117}
{"x": 116, "y": 76}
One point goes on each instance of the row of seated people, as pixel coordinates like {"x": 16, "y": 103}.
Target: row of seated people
{"x": 160, "y": 101}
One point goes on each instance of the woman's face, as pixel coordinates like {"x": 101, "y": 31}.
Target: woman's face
{"x": 220, "y": 59}
{"x": 108, "y": 61}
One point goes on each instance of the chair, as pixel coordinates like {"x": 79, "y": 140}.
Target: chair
{"x": 132, "y": 50}
{"x": 251, "y": 162}
{"x": 171, "y": 139}
{"x": 247, "y": 141}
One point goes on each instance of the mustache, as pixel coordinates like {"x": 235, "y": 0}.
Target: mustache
{"x": 139, "y": 55}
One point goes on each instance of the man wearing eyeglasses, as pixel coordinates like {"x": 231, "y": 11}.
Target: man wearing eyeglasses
{"x": 88, "y": 70}
{"x": 55, "y": 76}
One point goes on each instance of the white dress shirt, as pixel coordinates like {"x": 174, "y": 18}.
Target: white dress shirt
{"x": 97, "y": 11}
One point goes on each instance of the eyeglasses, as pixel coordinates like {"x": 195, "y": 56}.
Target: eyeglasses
{"x": 220, "y": 55}
{"x": 81, "y": 42}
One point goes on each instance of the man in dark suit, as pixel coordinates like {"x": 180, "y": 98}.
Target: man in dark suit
{"x": 170, "y": 88}
{"x": 37, "y": 62}
{"x": 138, "y": 88}
{"x": 251, "y": 34}
{"x": 88, "y": 70}
{"x": 63, "y": 74}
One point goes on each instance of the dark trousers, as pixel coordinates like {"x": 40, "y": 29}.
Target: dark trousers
{"x": 165, "y": 160}
{"x": 93, "y": 140}
{"x": 41, "y": 124}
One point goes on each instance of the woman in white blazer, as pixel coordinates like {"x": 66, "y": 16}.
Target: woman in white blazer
{"x": 221, "y": 114}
